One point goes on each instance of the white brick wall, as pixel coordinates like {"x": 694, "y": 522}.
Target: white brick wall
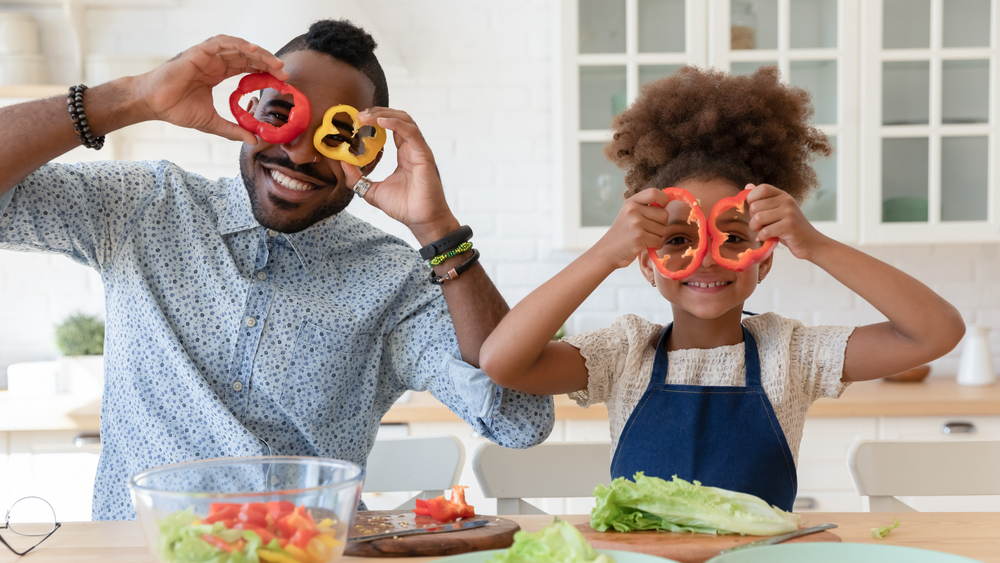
{"x": 479, "y": 79}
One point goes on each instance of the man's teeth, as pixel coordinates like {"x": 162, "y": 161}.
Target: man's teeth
{"x": 289, "y": 182}
{"x": 706, "y": 285}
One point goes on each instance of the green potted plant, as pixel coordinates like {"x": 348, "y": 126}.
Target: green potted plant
{"x": 80, "y": 340}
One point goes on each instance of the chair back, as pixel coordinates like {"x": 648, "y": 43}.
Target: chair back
{"x": 429, "y": 464}
{"x": 885, "y": 469}
{"x": 549, "y": 470}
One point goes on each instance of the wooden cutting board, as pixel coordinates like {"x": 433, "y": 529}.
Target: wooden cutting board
{"x": 685, "y": 548}
{"x": 498, "y": 534}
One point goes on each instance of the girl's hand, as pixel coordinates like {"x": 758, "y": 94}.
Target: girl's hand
{"x": 774, "y": 213}
{"x": 180, "y": 90}
{"x": 639, "y": 226}
{"x": 412, "y": 194}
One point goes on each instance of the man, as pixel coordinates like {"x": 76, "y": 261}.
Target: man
{"x": 252, "y": 316}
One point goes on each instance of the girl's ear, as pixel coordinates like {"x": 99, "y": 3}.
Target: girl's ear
{"x": 647, "y": 268}
{"x": 764, "y": 266}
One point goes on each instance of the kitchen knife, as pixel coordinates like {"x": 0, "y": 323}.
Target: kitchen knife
{"x": 782, "y": 537}
{"x": 453, "y": 527}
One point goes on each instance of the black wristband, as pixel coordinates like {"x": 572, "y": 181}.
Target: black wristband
{"x": 75, "y": 102}
{"x": 463, "y": 234}
{"x": 454, "y": 272}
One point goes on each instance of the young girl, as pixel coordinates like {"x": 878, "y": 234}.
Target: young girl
{"x": 712, "y": 396}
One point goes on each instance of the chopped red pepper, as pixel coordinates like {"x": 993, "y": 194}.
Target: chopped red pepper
{"x": 444, "y": 510}
{"x": 745, "y": 259}
{"x": 299, "y": 116}
{"x": 698, "y": 253}
{"x": 217, "y": 542}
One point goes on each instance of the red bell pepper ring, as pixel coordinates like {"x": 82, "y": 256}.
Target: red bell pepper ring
{"x": 698, "y": 253}
{"x": 745, "y": 259}
{"x": 298, "y": 118}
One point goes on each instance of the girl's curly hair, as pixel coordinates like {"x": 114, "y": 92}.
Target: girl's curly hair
{"x": 706, "y": 123}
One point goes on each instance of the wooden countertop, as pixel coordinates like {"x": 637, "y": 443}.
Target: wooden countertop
{"x": 970, "y": 534}
{"x": 935, "y": 396}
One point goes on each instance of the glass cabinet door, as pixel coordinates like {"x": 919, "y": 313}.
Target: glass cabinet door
{"x": 610, "y": 49}
{"x": 930, "y": 130}
{"x": 814, "y": 44}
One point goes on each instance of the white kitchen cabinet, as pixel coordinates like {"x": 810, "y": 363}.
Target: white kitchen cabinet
{"x": 56, "y": 465}
{"x": 905, "y": 90}
{"x": 5, "y": 500}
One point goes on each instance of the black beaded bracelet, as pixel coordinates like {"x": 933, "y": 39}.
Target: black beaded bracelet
{"x": 454, "y": 272}
{"x": 440, "y": 246}
{"x": 75, "y": 102}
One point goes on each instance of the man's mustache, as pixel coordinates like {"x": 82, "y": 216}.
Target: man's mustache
{"x": 305, "y": 169}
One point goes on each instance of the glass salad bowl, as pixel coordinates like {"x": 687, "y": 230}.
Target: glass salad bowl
{"x": 251, "y": 509}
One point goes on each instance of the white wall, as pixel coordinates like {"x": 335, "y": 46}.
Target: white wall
{"x": 478, "y": 77}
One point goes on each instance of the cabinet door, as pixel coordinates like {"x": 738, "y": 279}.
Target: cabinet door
{"x": 5, "y": 500}
{"x": 930, "y": 131}
{"x": 814, "y": 43}
{"x": 609, "y": 50}
{"x": 825, "y": 483}
{"x": 57, "y": 465}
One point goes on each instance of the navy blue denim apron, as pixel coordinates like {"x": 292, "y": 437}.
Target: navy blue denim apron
{"x": 725, "y": 437}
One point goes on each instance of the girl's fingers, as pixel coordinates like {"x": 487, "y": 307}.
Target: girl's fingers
{"x": 651, "y": 196}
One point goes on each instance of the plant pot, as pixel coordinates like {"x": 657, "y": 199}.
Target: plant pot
{"x": 81, "y": 375}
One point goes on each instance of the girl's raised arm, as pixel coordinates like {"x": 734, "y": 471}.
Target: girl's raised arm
{"x": 520, "y": 354}
{"x": 921, "y": 325}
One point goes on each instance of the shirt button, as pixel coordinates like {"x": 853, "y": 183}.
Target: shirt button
{"x": 272, "y": 233}
{"x": 261, "y": 276}
{"x": 237, "y": 386}
{"x": 251, "y": 321}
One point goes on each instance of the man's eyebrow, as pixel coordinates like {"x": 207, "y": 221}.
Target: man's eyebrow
{"x": 280, "y": 103}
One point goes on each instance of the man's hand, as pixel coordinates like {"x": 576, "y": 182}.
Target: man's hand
{"x": 412, "y": 194}
{"x": 774, "y": 213}
{"x": 180, "y": 90}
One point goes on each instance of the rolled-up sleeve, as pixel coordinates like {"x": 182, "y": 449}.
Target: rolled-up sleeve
{"x": 80, "y": 211}
{"x": 425, "y": 356}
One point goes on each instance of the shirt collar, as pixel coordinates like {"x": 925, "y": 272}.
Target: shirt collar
{"x": 312, "y": 245}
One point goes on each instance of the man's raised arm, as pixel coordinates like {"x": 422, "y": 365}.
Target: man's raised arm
{"x": 178, "y": 92}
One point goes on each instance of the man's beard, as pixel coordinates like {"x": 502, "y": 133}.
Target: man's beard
{"x": 273, "y": 218}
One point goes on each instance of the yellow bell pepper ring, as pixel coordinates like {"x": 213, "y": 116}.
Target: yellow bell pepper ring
{"x": 342, "y": 151}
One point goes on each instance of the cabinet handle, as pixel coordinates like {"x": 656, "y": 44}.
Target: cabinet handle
{"x": 87, "y": 438}
{"x": 804, "y": 503}
{"x": 958, "y": 428}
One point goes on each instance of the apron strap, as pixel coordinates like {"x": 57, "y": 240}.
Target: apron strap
{"x": 751, "y": 355}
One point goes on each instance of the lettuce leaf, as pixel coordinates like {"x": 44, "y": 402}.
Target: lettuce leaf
{"x": 559, "y": 542}
{"x": 180, "y": 541}
{"x": 883, "y": 531}
{"x": 650, "y": 503}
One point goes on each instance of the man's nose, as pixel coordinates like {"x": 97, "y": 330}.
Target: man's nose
{"x": 301, "y": 150}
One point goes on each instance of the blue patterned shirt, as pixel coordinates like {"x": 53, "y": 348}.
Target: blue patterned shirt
{"x": 226, "y": 339}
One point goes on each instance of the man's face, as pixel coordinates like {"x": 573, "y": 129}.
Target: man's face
{"x": 291, "y": 185}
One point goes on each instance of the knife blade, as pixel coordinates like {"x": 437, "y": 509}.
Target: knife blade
{"x": 453, "y": 527}
{"x": 783, "y": 537}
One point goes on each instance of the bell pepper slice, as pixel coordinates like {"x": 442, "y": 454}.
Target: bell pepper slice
{"x": 444, "y": 510}
{"x": 745, "y": 259}
{"x": 298, "y": 118}
{"x": 698, "y": 253}
{"x": 217, "y": 543}
{"x": 343, "y": 151}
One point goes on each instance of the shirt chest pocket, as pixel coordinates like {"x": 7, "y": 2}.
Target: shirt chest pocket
{"x": 328, "y": 373}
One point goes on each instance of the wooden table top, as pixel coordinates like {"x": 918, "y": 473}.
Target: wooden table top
{"x": 974, "y": 535}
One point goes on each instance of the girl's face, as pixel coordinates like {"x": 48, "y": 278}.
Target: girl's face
{"x": 711, "y": 291}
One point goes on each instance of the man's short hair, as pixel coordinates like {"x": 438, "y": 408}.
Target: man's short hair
{"x": 348, "y": 43}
